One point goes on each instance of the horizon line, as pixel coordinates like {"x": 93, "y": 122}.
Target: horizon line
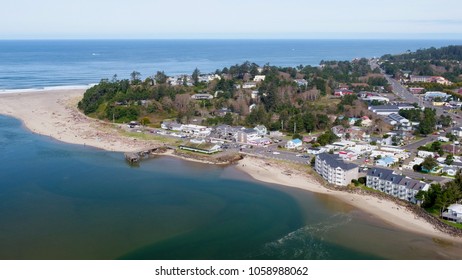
{"x": 226, "y": 39}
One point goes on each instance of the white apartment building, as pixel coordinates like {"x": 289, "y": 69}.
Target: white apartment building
{"x": 335, "y": 170}
{"x": 385, "y": 180}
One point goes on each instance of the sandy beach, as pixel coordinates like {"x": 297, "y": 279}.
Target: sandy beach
{"x": 53, "y": 113}
{"x": 386, "y": 210}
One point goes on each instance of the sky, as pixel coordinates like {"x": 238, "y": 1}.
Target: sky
{"x": 218, "y": 19}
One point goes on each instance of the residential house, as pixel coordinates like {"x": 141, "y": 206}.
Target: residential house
{"x": 369, "y": 97}
{"x": 399, "y": 122}
{"x": 397, "y": 152}
{"x": 366, "y": 121}
{"x": 315, "y": 151}
{"x": 377, "y": 98}
{"x": 450, "y": 170}
{"x": 443, "y": 139}
{"x": 352, "y": 121}
{"x": 348, "y": 155}
{"x": 261, "y": 130}
{"x": 355, "y": 133}
{"x": 420, "y": 79}
{"x": 343, "y": 144}
{"x": 202, "y": 96}
{"x": 218, "y": 92}
{"x": 309, "y": 139}
{"x": 249, "y": 85}
{"x": 361, "y": 149}
{"x": 457, "y": 131}
{"x": 335, "y": 170}
{"x": 301, "y": 82}
{"x": 338, "y": 130}
{"x": 276, "y": 133}
{"x": 259, "y": 78}
{"x": 343, "y": 87}
{"x": 208, "y": 78}
{"x": 416, "y": 90}
{"x": 227, "y": 132}
{"x": 386, "y": 161}
{"x": 424, "y": 154}
{"x": 415, "y": 161}
{"x": 246, "y": 135}
{"x": 343, "y": 92}
{"x": 451, "y": 148}
{"x": 294, "y": 144}
{"x": 259, "y": 141}
{"x": 165, "y": 125}
{"x": 252, "y": 107}
{"x": 197, "y": 130}
{"x": 170, "y": 125}
{"x": 453, "y": 213}
{"x": 399, "y": 186}
{"x": 222, "y": 112}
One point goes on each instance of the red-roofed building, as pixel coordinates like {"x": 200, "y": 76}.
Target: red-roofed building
{"x": 343, "y": 92}
{"x": 416, "y": 90}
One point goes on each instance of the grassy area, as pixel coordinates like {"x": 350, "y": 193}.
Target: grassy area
{"x": 327, "y": 101}
{"x": 157, "y": 118}
{"x": 364, "y": 187}
{"x": 151, "y": 137}
{"x": 436, "y": 214}
{"x": 195, "y": 154}
{"x": 456, "y": 225}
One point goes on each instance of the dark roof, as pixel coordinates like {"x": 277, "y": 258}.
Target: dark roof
{"x": 458, "y": 164}
{"x": 249, "y": 130}
{"x": 388, "y": 175}
{"x": 384, "y": 107}
{"x": 396, "y": 117}
{"x": 335, "y": 162}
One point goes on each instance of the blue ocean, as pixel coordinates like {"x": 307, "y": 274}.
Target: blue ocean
{"x": 40, "y": 64}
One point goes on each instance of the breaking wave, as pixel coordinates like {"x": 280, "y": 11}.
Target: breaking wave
{"x": 304, "y": 243}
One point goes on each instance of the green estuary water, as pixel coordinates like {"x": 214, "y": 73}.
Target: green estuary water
{"x": 60, "y": 201}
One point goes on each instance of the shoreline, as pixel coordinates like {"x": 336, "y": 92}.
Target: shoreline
{"x": 384, "y": 209}
{"x": 53, "y": 113}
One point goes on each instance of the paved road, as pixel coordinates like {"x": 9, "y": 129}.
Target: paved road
{"x": 422, "y": 142}
{"x": 402, "y": 91}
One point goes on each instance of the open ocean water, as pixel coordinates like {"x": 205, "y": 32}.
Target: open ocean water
{"x": 61, "y": 201}
{"x": 38, "y": 64}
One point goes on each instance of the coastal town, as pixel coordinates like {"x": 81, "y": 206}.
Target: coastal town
{"x": 385, "y": 149}
{"x": 229, "y": 140}
{"x": 393, "y": 134}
